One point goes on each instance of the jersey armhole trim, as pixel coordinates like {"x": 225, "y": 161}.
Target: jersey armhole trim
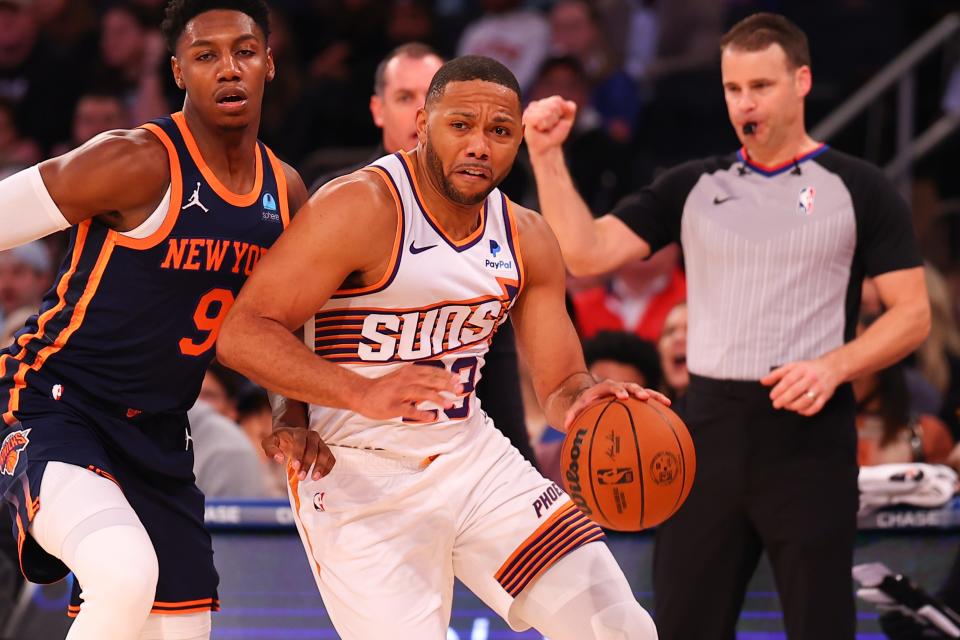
{"x": 281, "y": 177}
{"x": 394, "y": 265}
{"x": 175, "y": 191}
{"x": 513, "y": 235}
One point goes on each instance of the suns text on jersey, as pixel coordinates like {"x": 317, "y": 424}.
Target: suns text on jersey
{"x": 208, "y": 254}
{"x": 422, "y": 334}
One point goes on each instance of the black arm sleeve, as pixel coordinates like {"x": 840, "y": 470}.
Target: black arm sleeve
{"x": 886, "y": 240}
{"x": 654, "y": 212}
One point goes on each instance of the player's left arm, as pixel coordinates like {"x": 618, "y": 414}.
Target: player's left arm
{"x": 545, "y": 335}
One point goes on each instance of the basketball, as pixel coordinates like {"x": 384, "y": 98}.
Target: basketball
{"x": 628, "y": 464}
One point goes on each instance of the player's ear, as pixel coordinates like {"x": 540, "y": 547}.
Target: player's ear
{"x": 177, "y": 73}
{"x": 376, "y": 110}
{"x": 271, "y": 67}
{"x": 803, "y": 80}
{"x": 422, "y": 125}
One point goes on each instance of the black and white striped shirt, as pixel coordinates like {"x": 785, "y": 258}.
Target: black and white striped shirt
{"x": 776, "y": 256}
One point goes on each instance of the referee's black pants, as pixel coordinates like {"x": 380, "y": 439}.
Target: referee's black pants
{"x": 766, "y": 480}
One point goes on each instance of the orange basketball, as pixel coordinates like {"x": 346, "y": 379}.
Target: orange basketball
{"x": 628, "y": 464}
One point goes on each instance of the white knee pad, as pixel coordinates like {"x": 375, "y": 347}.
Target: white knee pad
{"x": 184, "y": 626}
{"x": 623, "y": 621}
{"x": 584, "y": 596}
{"x": 85, "y": 521}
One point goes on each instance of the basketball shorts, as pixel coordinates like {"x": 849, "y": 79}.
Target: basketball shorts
{"x": 386, "y": 535}
{"x": 170, "y": 506}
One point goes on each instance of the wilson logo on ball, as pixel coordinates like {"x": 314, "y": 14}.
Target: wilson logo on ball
{"x": 664, "y": 468}
{"x": 623, "y": 475}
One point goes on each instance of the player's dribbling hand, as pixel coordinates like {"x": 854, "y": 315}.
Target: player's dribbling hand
{"x": 398, "y": 393}
{"x": 303, "y": 448}
{"x": 620, "y": 390}
{"x": 547, "y": 123}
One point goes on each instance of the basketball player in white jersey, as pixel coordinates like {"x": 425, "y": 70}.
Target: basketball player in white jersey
{"x": 411, "y": 262}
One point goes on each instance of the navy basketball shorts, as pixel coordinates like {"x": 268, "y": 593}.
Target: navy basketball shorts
{"x": 149, "y": 456}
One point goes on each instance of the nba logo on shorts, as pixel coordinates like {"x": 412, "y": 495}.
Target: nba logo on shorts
{"x": 805, "y": 203}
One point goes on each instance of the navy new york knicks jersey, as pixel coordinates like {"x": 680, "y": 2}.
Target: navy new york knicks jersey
{"x": 132, "y": 321}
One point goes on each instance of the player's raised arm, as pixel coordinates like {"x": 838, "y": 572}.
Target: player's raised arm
{"x": 345, "y": 232}
{"x": 546, "y": 337}
{"x": 120, "y": 175}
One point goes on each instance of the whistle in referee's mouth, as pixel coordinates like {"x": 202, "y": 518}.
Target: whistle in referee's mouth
{"x": 749, "y": 128}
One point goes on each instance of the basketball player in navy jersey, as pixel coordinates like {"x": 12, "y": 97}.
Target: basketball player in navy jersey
{"x": 167, "y": 222}
{"x": 417, "y": 258}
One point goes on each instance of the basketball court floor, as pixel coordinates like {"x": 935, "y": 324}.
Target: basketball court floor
{"x": 267, "y": 591}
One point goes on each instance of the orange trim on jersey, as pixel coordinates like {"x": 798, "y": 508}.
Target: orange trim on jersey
{"x": 176, "y": 197}
{"x": 168, "y": 608}
{"x": 330, "y": 315}
{"x": 236, "y": 199}
{"x": 559, "y": 513}
{"x": 397, "y": 242}
{"x": 517, "y": 253}
{"x": 13, "y": 403}
{"x": 423, "y": 203}
{"x": 21, "y": 538}
{"x": 294, "y": 483}
{"x": 79, "y": 313}
{"x": 537, "y": 553}
{"x": 103, "y": 474}
{"x": 281, "y": 177}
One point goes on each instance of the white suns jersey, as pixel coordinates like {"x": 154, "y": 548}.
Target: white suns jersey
{"x": 438, "y": 304}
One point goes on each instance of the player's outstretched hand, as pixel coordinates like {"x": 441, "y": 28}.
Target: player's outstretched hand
{"x": 620, "y": 390}
{"x": 803, "y": 387}
{"x": 547, "y": 123}
{"x": 398, "y": 393}
{"x": 302, "y": 447}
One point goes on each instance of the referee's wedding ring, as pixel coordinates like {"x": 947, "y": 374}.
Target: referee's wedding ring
{"x": 811, "y": 394}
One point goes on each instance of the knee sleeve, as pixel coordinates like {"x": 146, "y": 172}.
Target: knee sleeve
{"x": 623, "y": 621}
{"x": 86, "y": 522}
{"x": 583, "y": 596}
{"x": 185, "y": 626}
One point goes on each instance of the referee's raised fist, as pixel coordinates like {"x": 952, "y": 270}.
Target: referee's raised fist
{"x": 548, "y": 123}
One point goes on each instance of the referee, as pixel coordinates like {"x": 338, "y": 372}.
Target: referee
{"x": 777, "y": 240}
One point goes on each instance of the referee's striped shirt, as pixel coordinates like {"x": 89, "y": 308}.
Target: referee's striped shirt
{"x": 775, "y": 256}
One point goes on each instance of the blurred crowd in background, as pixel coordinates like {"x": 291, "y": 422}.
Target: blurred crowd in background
{"x": 645, "y": 76}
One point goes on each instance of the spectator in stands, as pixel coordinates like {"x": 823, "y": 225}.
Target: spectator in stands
{"x": 134, "y": 61}
{"x": 614, "y": 355}
{"x": 672, "y": 347}
{"x": 516, "y": 36}
{"x": 220, "y": 389}
{"x": 637, "y": 297}
{"x": 256, "y": 421}
{"x": 599, "y": 165}
{"x": 938, "y": 358}
{"x": 26, "y": 272}
{"x": 888, "y": 431}
{"x": 225, "y": 462}
{"x": 16, "y": 151}
{"x": 576, "y": 30}
{"x": 400, "y": 85}
{"x": 95, "y": 113}
{"x": 410, "y": 21}
{"x": 69, "y": 26}
{"x": 41, "y": 85}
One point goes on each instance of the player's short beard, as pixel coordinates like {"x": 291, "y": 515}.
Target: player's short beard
{"x": 436, "y": 168}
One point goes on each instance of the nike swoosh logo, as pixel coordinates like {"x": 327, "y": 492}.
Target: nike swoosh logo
{"x": 719, "y": 200}
{"x": 415, "y": 250}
